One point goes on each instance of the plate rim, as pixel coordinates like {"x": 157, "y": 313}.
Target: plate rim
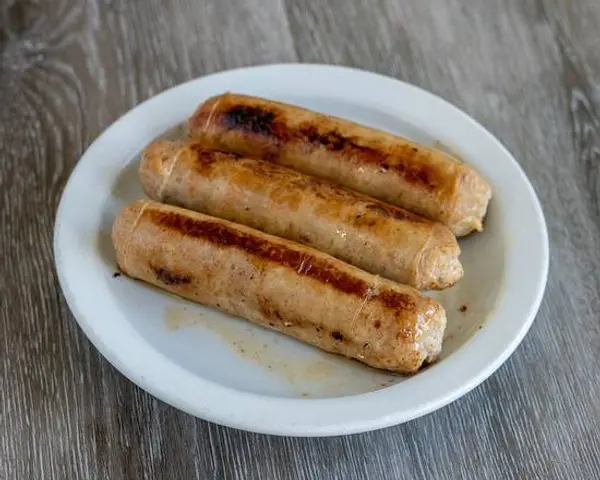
{"x": 352, "y": 403}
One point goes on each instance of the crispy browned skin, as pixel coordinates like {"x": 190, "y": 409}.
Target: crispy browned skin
{"x": 279, "y": 284}
{"x": 391, "y": 168}
{"x": 375, "y": 236}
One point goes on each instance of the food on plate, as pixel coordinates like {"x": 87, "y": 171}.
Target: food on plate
{"x": 375, "y": 236}
{"x": 391, "y": 168}
{"x": 279, "y": 284}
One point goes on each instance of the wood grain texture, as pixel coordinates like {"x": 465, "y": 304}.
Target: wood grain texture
{"x": 529, "y": 71}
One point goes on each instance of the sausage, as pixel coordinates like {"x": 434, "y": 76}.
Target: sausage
{"x": 357, "y": 229}
{"x": 391, "y": 168}
{"x": 279, "y": 284}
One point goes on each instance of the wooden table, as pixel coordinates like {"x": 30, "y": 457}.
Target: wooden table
{"x": 527, "y": 69}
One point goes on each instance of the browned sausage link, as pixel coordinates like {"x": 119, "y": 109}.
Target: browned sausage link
{"x": 279, "y": 284}
{"x": 385, "y": 166}
{"x": 375, "y": 236}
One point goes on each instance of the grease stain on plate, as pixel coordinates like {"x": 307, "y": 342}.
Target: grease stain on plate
{"x": 317, "y": 375}
{"x": 177, "y": 317}
{"x": 466, "y": 313}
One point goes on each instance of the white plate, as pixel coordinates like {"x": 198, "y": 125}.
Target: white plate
{"x": 228, "y": 371}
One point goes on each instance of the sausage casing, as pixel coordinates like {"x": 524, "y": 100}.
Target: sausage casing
{"x": 374, "y": 236}
{"x": 391, "y": 168}
{"x": 279, "y": 284}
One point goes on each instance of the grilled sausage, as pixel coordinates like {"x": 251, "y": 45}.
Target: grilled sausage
{"x": 279, "y": 284}
{"x": 413, "y": 176}
{"x": 357, "y": 229}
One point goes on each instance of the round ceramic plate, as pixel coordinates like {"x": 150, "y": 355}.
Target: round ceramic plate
{"x": 228, "y": 371}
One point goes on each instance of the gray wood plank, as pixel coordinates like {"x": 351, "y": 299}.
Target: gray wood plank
{"x": 529, "y": 71}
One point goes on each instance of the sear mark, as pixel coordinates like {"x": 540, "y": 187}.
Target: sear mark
{"x": 206, "y": 157}
{"x": 251, "y": 119}
{"x": 169, "y": 277}
{"x": 402, "y": 163}
{"x": 337, "y": 336}
{"x": 321, "y": 269}
{"x": 330, "y": 140}
{"x": 396, "y": 300}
